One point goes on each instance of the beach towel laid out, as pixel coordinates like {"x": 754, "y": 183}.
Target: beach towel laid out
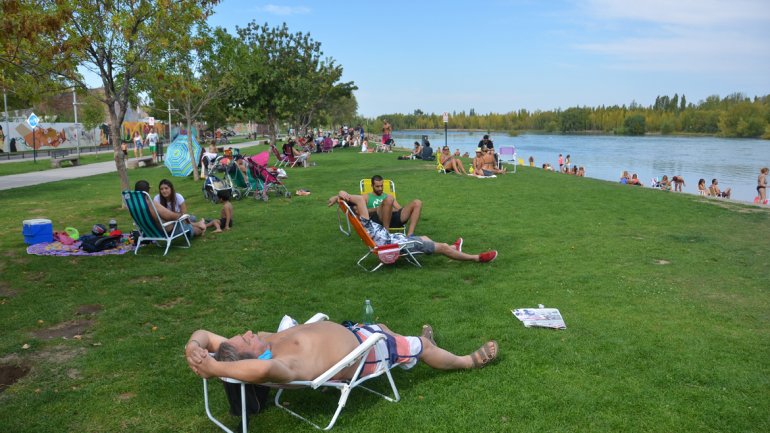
{"x": 58, "y": 249}
{"x": 483, "y": 177}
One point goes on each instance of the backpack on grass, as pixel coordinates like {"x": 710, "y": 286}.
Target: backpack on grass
{"x": 94, "y": 244}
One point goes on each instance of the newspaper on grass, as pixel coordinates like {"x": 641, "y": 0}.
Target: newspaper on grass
{"x": 540, "y": 317}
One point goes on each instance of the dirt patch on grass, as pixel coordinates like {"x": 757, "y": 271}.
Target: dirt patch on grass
{"x": 89, "y": 309}
{"x": 10, "y": 373}
{"x": 126, "y": 396}
{"x": 170, "y": 304}
{"x": 59, "y": 354}
{"x": 146, "y": 279}
{"x": 9, "y": 253}
{"x": 65, "y": 329}
{"x": 661, "y": 262}
{"x": 36, "y": 276}
{"x": 6, "y": 291}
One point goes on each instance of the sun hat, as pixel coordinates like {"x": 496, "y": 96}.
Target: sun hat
{"x": 478, "y": 150}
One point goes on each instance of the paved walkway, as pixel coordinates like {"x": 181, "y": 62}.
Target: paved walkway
{"x": 57, "y": 174}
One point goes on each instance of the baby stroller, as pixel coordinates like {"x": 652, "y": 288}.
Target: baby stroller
{"x": 238, "y": 181}
{"x": 266, "y": 181}
{"x": 212, "y": 185}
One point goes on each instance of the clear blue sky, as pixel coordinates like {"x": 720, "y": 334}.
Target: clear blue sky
{"x": 505, "y": 55}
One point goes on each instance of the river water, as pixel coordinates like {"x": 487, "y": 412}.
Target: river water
{"x": 734, "y": 162}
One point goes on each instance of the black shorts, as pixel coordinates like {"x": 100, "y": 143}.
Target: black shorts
{"x": 395, "y": 218}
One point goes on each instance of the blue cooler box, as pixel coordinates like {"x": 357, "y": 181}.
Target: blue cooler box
{"x": 37, "y": 230}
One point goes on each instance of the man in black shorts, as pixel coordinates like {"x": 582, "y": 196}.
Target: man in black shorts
{"x": 386, "y": 211}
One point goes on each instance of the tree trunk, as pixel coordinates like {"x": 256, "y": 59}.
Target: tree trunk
{"x": 115, "y": 139}
{"x": 272, "y": 128}
{"x": 196, "y": 175}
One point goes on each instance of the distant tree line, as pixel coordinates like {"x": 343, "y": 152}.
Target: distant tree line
{"x": 735, "y": 115}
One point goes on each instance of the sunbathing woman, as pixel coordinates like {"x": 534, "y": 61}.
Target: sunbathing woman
{"x": 451, "y": 163}
{"x": 702, "y": 190}
{"x": 665, "y": 184}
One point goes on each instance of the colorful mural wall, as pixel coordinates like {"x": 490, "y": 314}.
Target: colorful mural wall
{"x": 65, "y": 135}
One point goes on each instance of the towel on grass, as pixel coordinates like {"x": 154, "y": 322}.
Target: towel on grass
{"x": 59, "y": 249}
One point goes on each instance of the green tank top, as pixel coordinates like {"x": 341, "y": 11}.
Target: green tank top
{"x": 374, "y": 200}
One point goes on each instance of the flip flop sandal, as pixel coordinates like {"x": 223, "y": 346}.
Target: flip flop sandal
{"x": 484, "y": 355}
{"x": 427, "y": 332}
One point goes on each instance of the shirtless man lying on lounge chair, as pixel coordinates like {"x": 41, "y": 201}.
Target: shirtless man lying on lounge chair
{"x": 304, "y": 352}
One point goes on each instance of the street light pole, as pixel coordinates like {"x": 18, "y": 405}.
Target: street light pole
{"x": 7, "y": 128}
{"x": 77, "y": 130}
{"x": 169, "y": 121}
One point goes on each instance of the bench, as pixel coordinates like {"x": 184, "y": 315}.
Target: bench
{"x": 144, "y": 161}
{"x": 60, "y": 155}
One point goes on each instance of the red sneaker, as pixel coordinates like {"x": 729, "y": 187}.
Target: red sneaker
{"x": 458, "y": 245}
{"x": 487, "y": 257}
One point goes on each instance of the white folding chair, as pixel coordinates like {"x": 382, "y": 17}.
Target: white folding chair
{"x": 508, "y": 153}
{"x": 356, "y": 357}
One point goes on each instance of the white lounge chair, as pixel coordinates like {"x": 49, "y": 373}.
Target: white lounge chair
{"x": 357, "y": 357}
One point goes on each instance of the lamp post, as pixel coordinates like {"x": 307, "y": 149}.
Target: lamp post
{"x": 77, "y": 130}
{"x": 7, "y": 127}
{"x": 160, "y": 154}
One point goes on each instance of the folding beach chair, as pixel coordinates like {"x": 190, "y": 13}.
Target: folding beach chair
{"x": 439, "y": 166}
{"x": 152, "y": 229}
{"x": 301, "y": 159}
{"x": 357, "y": 357}
{"x": 388, "y": 187}
{"x": 386, "y": 254}
{"x": 507, "y": 153}
{"x": 242, "y": 184}
{"x": 282, "y": 160}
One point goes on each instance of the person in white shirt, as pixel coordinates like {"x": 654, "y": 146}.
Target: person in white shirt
{"x": 152, "y": 142}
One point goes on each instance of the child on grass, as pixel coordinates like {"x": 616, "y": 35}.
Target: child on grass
{"x": 225, "y": 220}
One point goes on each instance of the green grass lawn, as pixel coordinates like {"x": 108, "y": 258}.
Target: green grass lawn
{"x": 665, "y": 297}
{"x": 28, "y": 165}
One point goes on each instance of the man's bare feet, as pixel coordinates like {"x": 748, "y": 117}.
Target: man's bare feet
{"x": 427, "y": 333}
{"x": 485, "y": 354}
{"x": 218, "y": 231}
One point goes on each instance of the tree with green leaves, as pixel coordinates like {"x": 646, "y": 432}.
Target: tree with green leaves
{"x": 115, "y": 40}
{"x": 634, "y": 124}
{"x": 199, "y": 73}
{"x": 294, "y": 82}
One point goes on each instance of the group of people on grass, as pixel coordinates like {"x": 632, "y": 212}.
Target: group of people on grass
{"x": 677, "y": 183}
{"x": 171, "y": 206}
{"x": 565, "y": 166}
{"x": 303, "y": 352}
{"x": 484, "y": 164}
